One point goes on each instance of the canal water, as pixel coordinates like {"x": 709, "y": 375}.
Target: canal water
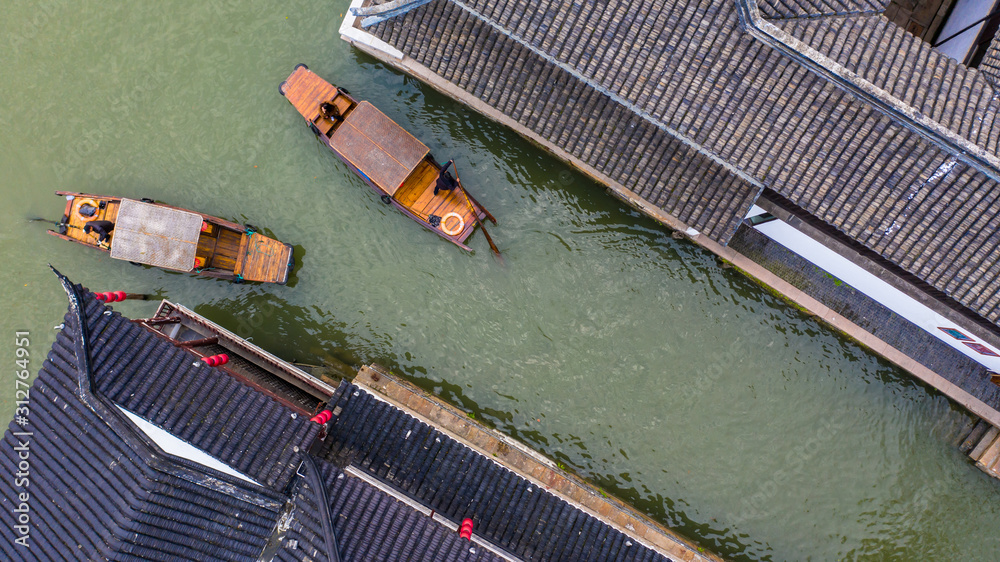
{"x": 629, "y": 357}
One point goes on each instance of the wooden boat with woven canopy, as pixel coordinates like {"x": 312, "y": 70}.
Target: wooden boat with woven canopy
{"x": 390, "y": 160}
{"x": 150, "y": 233}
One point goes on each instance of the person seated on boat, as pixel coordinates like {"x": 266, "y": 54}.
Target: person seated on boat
{"x": 101, "y": 228}
{"x": 329, "y": 111}
{"x": 445, "y": 182}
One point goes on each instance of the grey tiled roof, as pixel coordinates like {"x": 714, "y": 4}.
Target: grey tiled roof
{"x": 883, "y": 53}
{"x": 990, "y": 65}
{"x": 204, "y": 406}
{"x": 784, "y": 9}
{"x": 369, "y": 525}
{"x": 458, "y": 482}
{"x": 656, "y": 94}
{"x": 100, "y": 490}
{"x": 584, "y": 118}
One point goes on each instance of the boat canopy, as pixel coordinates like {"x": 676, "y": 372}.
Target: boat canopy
{"x": 379, "y": 148}
{"x": 156, "y": 235}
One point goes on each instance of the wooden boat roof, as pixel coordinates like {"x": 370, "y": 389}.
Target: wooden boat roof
{"x": 156, "y": 235}
{"x": 378, "y": 147}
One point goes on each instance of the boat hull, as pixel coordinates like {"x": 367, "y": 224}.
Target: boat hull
{"x": 224, "y": 249}
{"x": 389, "y": 160}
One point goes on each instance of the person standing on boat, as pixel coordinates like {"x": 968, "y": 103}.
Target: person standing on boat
{"x": 101, "y": 228}
{"x": 445, "y": 181}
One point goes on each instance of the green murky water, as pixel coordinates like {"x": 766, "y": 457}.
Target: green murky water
{"x": 628, "y": 356}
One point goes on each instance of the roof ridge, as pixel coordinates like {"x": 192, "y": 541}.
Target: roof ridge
{"x": 822, "y": 16}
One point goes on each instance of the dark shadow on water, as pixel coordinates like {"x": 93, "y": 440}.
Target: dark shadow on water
{"x": 298, "y": 252}
{"x": 287, "y": 330}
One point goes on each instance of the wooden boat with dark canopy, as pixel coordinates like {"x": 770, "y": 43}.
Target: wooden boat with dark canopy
{"x": 146, "y": 232}
{"x": 281, "y": 380}
{"x": 390, "y": 160}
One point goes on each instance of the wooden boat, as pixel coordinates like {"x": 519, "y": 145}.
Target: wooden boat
{"x": 390, "y": 160}
{"x": 151, "y": 233}
{"x": 281, "y": 380}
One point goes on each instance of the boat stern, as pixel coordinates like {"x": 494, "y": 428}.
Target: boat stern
{"x": 264, "y": 259}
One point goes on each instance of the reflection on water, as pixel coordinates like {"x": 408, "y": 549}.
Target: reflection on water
{"x": 629, "y": 357}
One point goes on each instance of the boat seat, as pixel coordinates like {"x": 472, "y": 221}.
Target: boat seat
{"x": 327, "y": 123}
{"x": 324, "y": 125}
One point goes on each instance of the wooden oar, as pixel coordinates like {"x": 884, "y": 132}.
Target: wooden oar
{"x": 475, "y": 213}
{"x": 66, "y": 224}
{"x": 488, "y": 214}
{"x": 99, "y": 244}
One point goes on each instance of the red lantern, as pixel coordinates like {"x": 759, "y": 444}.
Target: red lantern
{"x": 216, "y": 360}
{"x": 465, "y": 531}
{"x": 322, "y": 417}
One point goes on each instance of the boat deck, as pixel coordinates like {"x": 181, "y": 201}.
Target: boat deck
{"x": 219, "y": 249}
{"x": 306, "y": 91}
{"x": 263, "y": 259}
{"x": 417, "y": 195}
{"x": 75, "y": 223}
